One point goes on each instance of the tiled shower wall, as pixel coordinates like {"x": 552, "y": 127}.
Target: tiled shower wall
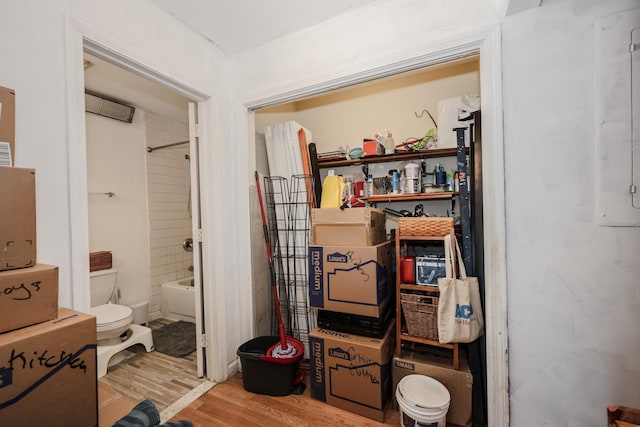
{"x": 168, "y": 182}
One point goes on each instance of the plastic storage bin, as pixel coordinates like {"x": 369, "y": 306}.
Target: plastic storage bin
{"x": 262, "y": 376}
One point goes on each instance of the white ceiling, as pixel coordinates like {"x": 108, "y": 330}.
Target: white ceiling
{"x": 236, "y": 26}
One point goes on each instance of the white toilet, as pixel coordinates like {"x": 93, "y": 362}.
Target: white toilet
{"x": 115, "y": 332}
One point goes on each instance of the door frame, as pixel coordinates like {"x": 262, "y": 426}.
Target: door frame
{"x": 80, "y": 37}
{"x": 487, "y": 42}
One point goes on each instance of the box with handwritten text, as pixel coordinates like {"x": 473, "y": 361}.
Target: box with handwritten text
{"x": 352, "y": 372}
{"x": 48, "y": 373}
{"x": 350, "y": 279}
{"x": 28, "y": 296}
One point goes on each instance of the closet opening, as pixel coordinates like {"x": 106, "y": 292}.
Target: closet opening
{"x": 403, "y": 106}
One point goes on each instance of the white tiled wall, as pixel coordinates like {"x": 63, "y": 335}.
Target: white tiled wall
{"x": 168, "y": 182}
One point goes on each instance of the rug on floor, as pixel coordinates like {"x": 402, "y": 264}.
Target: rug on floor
{"x": 177, "y": 339}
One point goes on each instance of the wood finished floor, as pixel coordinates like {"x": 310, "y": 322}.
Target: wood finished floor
{"x": 165, "y": 379}
{"x": 156, "y": 376}
{"x": 228, "y": 404}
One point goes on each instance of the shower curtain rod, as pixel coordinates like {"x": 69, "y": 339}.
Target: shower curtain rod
{"x": 150, "y": 149}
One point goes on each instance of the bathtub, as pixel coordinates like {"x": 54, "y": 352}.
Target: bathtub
{"x": 177, "y": 300}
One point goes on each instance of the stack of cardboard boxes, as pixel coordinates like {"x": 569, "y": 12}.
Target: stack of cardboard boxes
{"x": 350, "y": 276}
{"x": 47, "y": 354}
{"x": 350, "y": 273}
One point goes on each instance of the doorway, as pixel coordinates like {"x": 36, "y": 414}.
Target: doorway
{"x": 487, "y": 44}
{"x": 399, "y": 104}
{"x": 141, "y": 207}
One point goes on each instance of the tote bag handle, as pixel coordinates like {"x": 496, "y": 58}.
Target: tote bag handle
{"x": 449, "y": 262}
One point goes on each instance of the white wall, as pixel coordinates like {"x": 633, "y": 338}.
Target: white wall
{"x": 168, "y": 181}
{"x": 574, "y": 305}
{"x": 346, "y": 117}
{"x": 146, "y": 221}
{"x": 339, "y": 47}
{"x": 48, "y": 136}
{"x": 116, "y": 163}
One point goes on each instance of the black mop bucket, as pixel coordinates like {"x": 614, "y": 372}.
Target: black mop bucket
{"x": 263, "y": 374}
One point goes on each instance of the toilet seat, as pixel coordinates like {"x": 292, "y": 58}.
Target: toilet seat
{"x": 111, "y": 316}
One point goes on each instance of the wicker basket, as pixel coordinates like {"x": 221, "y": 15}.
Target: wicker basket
{"x": 424, "y": 226}
{"x": 100, "y": 261}
{"x": 421, "y": 315}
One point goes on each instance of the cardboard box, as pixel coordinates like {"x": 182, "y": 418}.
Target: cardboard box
{"x": 28, "y": 296}
{"x": 352, "y": 372}
{"x": 350, "y": 279}
{"x": 459, "y": 383}
{"x": 112, "y": 406}
{"x": 348, "y": 227}
{"x": 371, "y": 147}
{"x": 48, "y": 373}
{"x": 18, "y": 218}
{"x": 7, "y": 126}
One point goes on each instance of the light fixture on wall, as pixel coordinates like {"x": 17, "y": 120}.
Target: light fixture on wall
{"x": 103, "y": 106}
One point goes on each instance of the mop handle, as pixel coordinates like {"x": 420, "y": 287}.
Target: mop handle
{"x": 276, "y": 297}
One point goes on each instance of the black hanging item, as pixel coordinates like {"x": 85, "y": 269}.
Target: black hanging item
{"x": 478, "y": 401}
{"x": 315, "y": 173}
{"x": 465, "y": 220}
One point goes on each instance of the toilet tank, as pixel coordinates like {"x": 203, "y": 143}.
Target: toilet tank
{"x": 103, "y": 285}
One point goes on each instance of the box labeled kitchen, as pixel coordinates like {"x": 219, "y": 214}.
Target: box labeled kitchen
{"x": 18, "y": 218}
{"x": 350, "y": 279}
{"x": 348, "y": 227}
{"x": 7, "y": 126}
{"x": 458, "y": 382}
{"x": 352, "y": 372}
{"x": 28, "y": 296}
{"x": 48, "y": 373}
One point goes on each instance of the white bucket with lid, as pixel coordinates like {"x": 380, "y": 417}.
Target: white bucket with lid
{"x": 423, "y": 401}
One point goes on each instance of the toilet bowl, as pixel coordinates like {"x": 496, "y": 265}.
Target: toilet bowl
{"x": 115, "y": 331}
{"x": 112, "y": 320}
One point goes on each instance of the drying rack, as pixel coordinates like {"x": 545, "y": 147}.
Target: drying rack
{"x": 289, "y": 204}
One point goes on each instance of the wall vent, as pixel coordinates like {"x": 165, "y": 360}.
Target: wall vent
{"x": 103, "y": 106}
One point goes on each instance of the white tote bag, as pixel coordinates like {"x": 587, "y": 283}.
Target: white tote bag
{"x": 459, "y": 309}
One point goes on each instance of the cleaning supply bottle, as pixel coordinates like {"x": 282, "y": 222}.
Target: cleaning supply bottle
{"x": 347, "y": 192}
{"x": 332, "y": 190}
{"x": 389, "y": 144}
{"x": 442, "y": 176}
{"x": 370, "y": 185}
{"x": 450, "y": 182}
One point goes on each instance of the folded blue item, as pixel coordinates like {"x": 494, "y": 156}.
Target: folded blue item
{"x": 145, "y": 414}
